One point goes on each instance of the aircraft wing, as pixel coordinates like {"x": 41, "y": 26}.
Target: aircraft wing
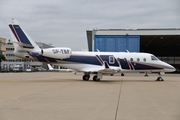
{"x": 105, "y": 69}
{"x": 91, "y": 69}
{"x": 102, "y": 70}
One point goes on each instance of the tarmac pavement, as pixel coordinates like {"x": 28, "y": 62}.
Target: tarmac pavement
{"x": 65, "y": 96}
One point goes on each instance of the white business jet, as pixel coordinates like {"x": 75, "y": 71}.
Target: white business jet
{"x": 98, "y": 63}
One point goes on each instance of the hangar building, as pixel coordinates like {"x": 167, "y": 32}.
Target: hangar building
{"x": 163, "y": 43}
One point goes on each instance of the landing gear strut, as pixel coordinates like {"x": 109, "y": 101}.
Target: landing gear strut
{"x": 146, "y": 75}
{"x": 97, "y": 77}
{"x": 159, "y": 78}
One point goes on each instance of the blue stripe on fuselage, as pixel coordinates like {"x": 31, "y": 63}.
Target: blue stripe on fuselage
{"x": 40, "y": 58}
{"x": 73, "y": 58}
{"x": 124, "y": 64}
{"x": 106, "y": 58}
{"x": 83, "y": 59}
{"x": 139, "y": 66}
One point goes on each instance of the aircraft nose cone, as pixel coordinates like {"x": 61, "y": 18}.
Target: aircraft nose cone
{"x": 173, "y": 68}
{"x": 170, "y": 68}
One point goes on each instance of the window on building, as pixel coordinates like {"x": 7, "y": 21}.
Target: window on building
{"x": 2, "y": 44}
{"x": 11, "y": 66}
{"x": 5, "y": 66}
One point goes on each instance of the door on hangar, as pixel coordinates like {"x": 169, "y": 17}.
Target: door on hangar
{"x": 119, "y": 43}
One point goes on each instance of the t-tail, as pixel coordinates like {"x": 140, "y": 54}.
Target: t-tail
{"x": 21, "y": 40}
{"x": 25, "y": 47}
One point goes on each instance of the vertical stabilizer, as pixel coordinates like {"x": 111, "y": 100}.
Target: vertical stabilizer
{"x": 20, "y": 39}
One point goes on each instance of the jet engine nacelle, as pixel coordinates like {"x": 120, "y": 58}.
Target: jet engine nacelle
{"x": 58, "y": 52}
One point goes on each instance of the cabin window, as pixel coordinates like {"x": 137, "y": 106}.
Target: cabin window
{"x": 111, "y": 60}
{"x": 138, "y": 59}
{"x": 131, "y": 59}
{"x": 154, "y": 58}
{"x": 144, "y": 59}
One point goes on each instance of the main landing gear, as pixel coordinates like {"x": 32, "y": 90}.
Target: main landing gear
{"x": 122, "y": 74}
{"x": 96, "y": 77}
{"x": 85, "y": 77}
{"x": 146, "y": 75}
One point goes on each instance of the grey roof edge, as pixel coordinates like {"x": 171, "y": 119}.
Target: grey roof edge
{"x": 135, "y": 29}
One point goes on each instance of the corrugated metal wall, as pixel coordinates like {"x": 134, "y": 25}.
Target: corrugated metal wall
{"x": 119, "y": 43}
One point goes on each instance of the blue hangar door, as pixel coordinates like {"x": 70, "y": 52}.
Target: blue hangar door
{"x": 112, "y": 43}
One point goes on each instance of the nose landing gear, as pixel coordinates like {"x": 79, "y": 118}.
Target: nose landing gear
{"x": 160, "y": 78}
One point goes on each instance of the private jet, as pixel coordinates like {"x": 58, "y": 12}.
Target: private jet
{"x": 97, "y": 63}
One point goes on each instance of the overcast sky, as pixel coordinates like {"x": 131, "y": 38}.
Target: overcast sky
{"x": 64, "y": 22}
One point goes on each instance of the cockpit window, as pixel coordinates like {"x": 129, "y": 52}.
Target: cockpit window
{"x": 154, "y": 58}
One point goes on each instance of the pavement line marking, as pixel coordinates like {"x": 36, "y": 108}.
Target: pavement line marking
{"x": 118, "y": 99}
{"x": 9, "y": 80}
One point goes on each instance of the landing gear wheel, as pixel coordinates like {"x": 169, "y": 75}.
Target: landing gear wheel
{"x": 146, "y": 75}
{"x": 95, "y": 78}
{"x": 122, "y": 74}
{"x": 85, "y": 77}
{"x": 159, "y": 79}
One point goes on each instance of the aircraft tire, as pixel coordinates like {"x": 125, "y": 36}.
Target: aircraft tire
{"x": 85, "y": 77}
{"x": 159, "y": 79}
{"x": 122, "y": 74}
{"x": 96, "y": 79}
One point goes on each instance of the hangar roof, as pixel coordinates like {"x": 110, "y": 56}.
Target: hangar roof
{"x": 169, "y": 31}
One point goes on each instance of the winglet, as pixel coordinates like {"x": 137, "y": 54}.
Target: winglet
{"x": 106, "y": 65}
